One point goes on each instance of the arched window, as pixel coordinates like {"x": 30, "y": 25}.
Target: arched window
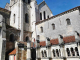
{"x": 44, "y": 15}
{"x": 27, "y": 38}
{"x": 45, "y": 53}
{"x": 68, "y": 51}
{"x": 42, "y": 54}
{"x": 57, "y": 52}
{"x": 48, "y": 16}
{"x": 26, "y": 18}
{"x": 12, "y": 38}
{"x": 54, "y": 53}
{"x": 68, "y": 21}
{"x": 40, "y": 16}
{"x": 41, "y": 29}
{"x": 53, "y": 26}
{"x": 14, "y": 18}
{"x": 77, "y": 52}
{"x": 72, "y": 51}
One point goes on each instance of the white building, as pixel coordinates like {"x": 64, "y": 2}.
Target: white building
{"x": 33, "y": 33}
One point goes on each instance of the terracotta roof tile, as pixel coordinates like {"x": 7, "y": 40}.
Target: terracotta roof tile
{"x": 69, "y": 39}
{"x": 43, "y": 43}
{"x": 4, "y": 10}
{"x": 13, "y": 52}
{"x": 54, "y": 41}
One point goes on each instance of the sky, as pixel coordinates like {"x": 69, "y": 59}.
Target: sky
{"x": 56, "y": 6}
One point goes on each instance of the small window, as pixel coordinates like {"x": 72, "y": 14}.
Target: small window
{"x": 27, "y": 39}
{"x": 53, "y": 26}
{"x": 38, "y": 37}
{"x": 14, "y": 18}
{"x": 44, "y": 15}
{"x": 54, "y": 53}
{"x": 45, "y": 53}
{"x": 68, "y": 51}
{"x": 40, "y": 16}
{"x": 12, "y": 38}
{"x": 57, "y": 52}
{"x": 72, "y": 51}
{"x": 77, "y": 52}
{"x": 41, "y": 29}
{"x": 48, "y": 16}
{"x": 26, "y": 18}
{"x": 68, "y": 22}
{"x": 42, "y": 54}
{"x": 29, "y": 1}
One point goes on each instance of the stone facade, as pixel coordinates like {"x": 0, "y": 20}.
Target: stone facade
{"x": 31, "y": 32}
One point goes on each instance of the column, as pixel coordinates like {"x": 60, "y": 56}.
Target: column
{"x": 63, "y": 55}
{"x": 28, "y": 50}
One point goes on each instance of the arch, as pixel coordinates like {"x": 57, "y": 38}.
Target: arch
{"x": 44, "y": 14}
{"x": 40, "y": 16}
{"x": 72, "y": 51}
{"x": 42, "y": 53}
{"x": 57, "y": 52}
{"x": 68, "y": 51}
{"x": 27, "y": 39}
{"x": 12, "y": 37}
{"x": 77, "y": 52}
{"x": 45, "y": 53}
{"x": 54, "y": 53}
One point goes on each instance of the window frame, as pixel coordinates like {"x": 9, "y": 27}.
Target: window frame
{"x": 68, "y": 21}
{"x": 53, "y": 26}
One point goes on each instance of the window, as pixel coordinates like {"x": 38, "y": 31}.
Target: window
{"x": 44, "y": 15}
{"x": 38, "y": 37}
{"x": 14, "y": 18}
{"x": 42, "y": 54}
{"x": 68, "y": 51}
{"x": 41, "y": 29}
{"x": 57, "y": 52}
{"x": 12, "y": 38}
{"x": 68, "y": 22}
{"x": 26, "y": 18}
{"x": 53, "y": 26}
{"x": 27, "y": 38}
{"x": 77, "y": 52}
{"x": 48, "y": 16}
{"x": 72, "y": 51}
{"x": 45, "y": 53}
{"x": 54, "y": 53}
{"x": 40, "y": 16}
{"x": 29, "y": 1}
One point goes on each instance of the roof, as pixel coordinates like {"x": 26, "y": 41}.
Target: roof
{"x": 69, "y": 39}
{"x": 13, "y": 52}
{"x": 54, "y": 41}
{"x": 5, "y": 10}
{"x": 73, "y": 9}
{"x": 43, "y": 43}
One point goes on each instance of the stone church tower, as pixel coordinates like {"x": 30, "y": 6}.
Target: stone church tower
{"x": 23, "y": 17}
